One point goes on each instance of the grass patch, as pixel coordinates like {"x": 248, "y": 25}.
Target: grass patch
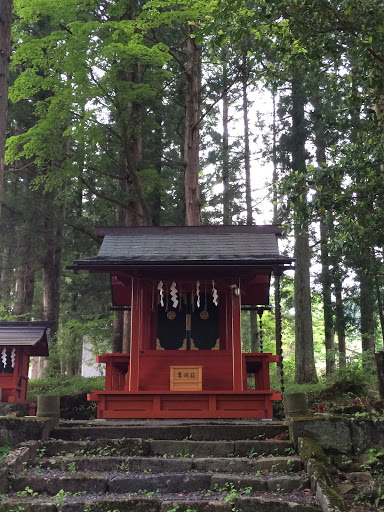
{"x": 4, "y": 450}
{"x": 63, "y": 386}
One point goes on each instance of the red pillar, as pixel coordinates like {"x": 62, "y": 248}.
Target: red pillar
{"x": 237, "y": 367}
{"x": 135, "y": 335}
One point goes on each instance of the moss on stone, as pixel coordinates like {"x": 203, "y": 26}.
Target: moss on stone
{"x": 334, "y": 501}
{"x": 310, "y": 449}
{"x": 319, "y": 472}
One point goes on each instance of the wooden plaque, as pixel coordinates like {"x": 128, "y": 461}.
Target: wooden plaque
{"x": 186, "y": 378}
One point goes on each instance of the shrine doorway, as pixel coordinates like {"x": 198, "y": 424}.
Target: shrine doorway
{"x": 192, "y": 325}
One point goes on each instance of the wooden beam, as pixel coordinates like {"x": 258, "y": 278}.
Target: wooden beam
{"x": 136, "y": 319}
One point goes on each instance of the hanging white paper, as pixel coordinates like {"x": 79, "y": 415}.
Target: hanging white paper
{"x": 4, "y": 356}
{"x": 13, "y": 357}
{"x": 161, "y": 290}
{"x": 174, "y": 298}
{"x": 215, "y": 295}
{"x": 198, "y": 294}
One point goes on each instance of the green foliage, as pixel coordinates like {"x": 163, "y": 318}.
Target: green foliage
{"x": 5, "y": 448}
{"x": 90, "y": 81}
{"x": 27, "y": 492}
{"x": 63, "y": 386}
{"x": 61, "y": 497}
{"x": 67, "y": 351}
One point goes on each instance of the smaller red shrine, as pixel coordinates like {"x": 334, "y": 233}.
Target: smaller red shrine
{"x": 18, "y": 342}
{"x": 185, "y": 288}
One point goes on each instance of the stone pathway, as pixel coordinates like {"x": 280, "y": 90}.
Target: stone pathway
{"x": 160, "y": 466}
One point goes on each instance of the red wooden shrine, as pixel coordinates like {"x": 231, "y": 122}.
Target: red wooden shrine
{"x": 185, "y": 288}
{"x": 18, "y": 342}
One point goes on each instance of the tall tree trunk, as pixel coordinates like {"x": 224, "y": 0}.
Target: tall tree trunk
{"x": 255, "y": 336}
{"x": 191, "y": 136}
{"x": 137, "y": 212}
{"x": 305, "y": 370}
{"x": 227, "y": 218}
{"x": 326, "y": 283}
{"x": 247, "y": 151}
{"x": 5, "y": 51}
{"x": 365, "y": 259}
{"x": 51, "y": 263}
{"x": 74, "y": 342}
{"x": 117, "y": 332}
{"x": 274, "y": 162}
{"x": 158, "y": 161}
{"x": 326, "y": 278}
{"x": 25, "y": 280}
{"x": 367, "y": 293}
{"x": 277, "y": 277}
{"x": 380, "y": 306}
{"x": 118, "y": 316}
{"x": 6, "y": 274}
{"x": 339, "y": 312}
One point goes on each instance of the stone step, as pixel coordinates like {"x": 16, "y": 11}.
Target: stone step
{"x": 169, "y": 464}
{"x": 157, "y": 504}
{"x": 197, "y": 432}
{"x": 135, "y": 446}
{"x": 162, "y": 482}
{"x": 248, "y": 448}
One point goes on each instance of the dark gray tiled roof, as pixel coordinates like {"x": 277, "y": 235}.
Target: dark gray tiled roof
{"x": 196, "y": 246}
{"x": 193, "y": 247}
{"x": 15, "y": 334}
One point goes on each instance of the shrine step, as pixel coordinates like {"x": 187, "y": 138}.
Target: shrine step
{"x": 197, "y": 432}
{"x": 158, "y": 483}
{"x": 146, "y": 447}
{"x": 184, "y": 462}
{"x": 157, "y": 504}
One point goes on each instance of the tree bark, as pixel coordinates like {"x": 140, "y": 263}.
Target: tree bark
{"x": 339, "y": 313}
{"x": 227, "y": 218}
{"x": 367, "y": 292}
{"x": 191, "y": 140}
{"x": 305, "y": 370}
{"x": 158, "y": 162}
{"x": 25, "y": 269}
{"x": 51, "y": 263}
{"x": 6, "y": 274}
{"x": 118, "y": 316}
{"x": 277, "y": 277}
{"x": 5, "y": 52}
{"x": 130, "y": 116}
{"x": 326, "y": 283}
{"x": 326, "y": 280}
{"x": 117, "y": 336}
{"x": 247, "y": 151}
{"x": 380, "y": 306}
{"x": 274, "y": 162}
{"x": 379, "y": 357}
{"x": 25, "y": 281}
{"x": 255, "y": 342}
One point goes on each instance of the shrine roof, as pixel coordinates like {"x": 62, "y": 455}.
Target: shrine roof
{"x": 28, "y": 334}
{"x": 192, "y": 245}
